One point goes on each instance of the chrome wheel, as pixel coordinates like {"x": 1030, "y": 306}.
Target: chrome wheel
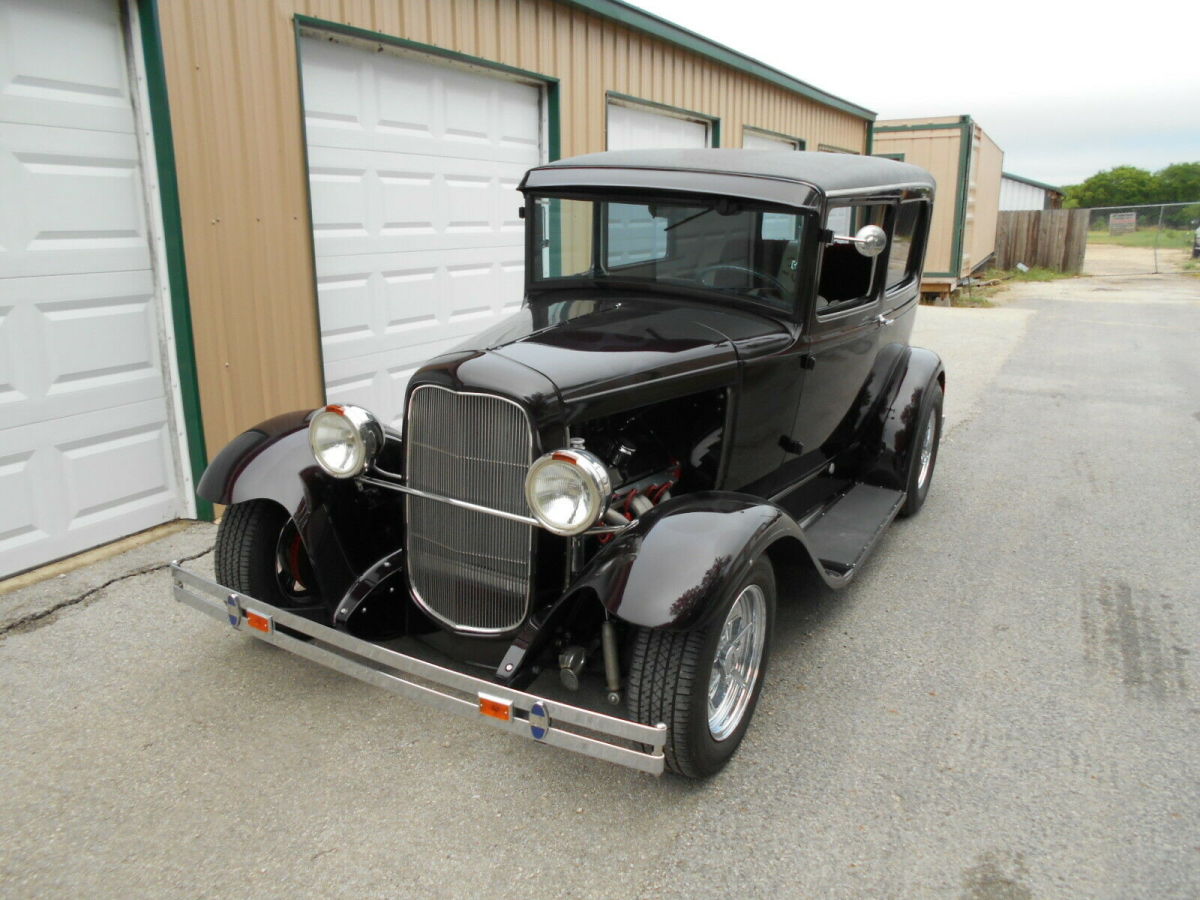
{"x": 927, "y": 452}
{"x": 737, "y": 662}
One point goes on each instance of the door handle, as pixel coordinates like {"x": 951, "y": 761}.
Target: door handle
{"x": 881, "y": 319}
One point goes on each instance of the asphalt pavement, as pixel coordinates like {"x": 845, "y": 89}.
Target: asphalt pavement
{"x": 1002, "y": 705}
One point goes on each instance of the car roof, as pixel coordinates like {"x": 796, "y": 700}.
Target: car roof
{"x": 830, "y": 174}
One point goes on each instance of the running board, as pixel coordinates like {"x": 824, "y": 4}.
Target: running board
{"x": 845, "y": 533}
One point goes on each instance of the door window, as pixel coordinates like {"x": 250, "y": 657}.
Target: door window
{"x": 847, "y": 277}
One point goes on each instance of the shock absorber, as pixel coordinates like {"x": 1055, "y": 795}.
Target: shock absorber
{"x": 612, "y": 662}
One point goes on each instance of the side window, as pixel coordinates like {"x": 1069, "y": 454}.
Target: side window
{"x": 902, "y": 250}
{"x": 846, "y": 275}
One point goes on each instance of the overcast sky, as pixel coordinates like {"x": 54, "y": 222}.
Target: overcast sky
{"x": 1065, "y": 89}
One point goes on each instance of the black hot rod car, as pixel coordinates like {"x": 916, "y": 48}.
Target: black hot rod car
{"x": 711, "y": 373}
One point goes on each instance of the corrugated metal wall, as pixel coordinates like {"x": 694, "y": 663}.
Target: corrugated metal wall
{"x": 1017, "y": 195}
{"x": 236, "y": 113}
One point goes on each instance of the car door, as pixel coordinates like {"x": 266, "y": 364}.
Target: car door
{"x": 846, "y": 329}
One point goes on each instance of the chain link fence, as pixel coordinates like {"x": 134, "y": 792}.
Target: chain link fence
{"x": 1142, "y": 240}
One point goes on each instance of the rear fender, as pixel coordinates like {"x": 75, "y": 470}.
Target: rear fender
{"x": 899, "y": 417}
{"x": 682, "y": 561}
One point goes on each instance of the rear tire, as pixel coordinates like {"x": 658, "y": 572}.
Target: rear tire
{"x": 925, "y": 452}
{"x": 704, "y": 684}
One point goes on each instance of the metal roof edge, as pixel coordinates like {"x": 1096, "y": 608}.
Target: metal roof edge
{"x": 640, "y": 20}
{"x": 1037, "y": 184}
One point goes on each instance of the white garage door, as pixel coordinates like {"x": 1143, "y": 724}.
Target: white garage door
{"x": 86, "y": 450}
{"x": 413, "y": 168}
{"x": 633, "y": 128}
{"x": 756, "y": 140}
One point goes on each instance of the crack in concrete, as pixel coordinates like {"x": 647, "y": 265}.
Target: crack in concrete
{"x": 30, "y": 621}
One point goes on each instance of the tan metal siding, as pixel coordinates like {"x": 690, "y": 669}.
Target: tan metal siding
{"x": 235, "y": 110}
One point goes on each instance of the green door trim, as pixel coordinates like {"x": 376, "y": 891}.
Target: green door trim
{"x": 172, "y": 221}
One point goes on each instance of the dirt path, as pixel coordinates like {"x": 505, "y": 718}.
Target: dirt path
{"x": 1110, "y": 259}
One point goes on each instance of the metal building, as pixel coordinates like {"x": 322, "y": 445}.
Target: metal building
{"x": 216, "y": 211}
{"x": 1017, "y": 193}
{"x": 967, "y": 165}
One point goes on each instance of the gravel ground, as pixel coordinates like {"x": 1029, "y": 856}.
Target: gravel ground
{"x": 1003, "y": 704}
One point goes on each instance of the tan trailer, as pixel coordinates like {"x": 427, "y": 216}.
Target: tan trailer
{"x": 967, "y": 165}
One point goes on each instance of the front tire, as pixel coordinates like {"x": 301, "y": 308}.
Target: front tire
{"x": 259, "y": 553}
{"x": 704, "y": 684}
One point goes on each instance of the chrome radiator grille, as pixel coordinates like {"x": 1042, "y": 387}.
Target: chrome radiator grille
{"x": 470, "y": 570}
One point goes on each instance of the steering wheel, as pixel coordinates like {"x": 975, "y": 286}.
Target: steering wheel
{"x": 769, "y": 280}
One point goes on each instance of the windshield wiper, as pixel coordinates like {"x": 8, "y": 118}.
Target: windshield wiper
{"x": 702, "y": 212}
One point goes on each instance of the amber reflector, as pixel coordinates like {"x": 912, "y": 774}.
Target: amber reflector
{"x": 497, "y": 709}
{"x": 258, "y": 622}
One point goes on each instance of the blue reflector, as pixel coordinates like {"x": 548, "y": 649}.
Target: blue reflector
{"x": 539, "y": 721}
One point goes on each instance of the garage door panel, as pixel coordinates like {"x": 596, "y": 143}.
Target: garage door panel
{"x": 378, "y": 381}
{"x": 369, "y": 202}
{"x": 109, "y": 474}
{"x": 77, "y": 202}
{"x": 20, "y": 519}
{"x": 397, "y": 104}
{"x": 79, "y": 342}
{"x": 368, "y": 309}
{"x": 753, "y": 140}
{"x": 382, "y": 140}
{"x": 63, "y": 66}
{"x": 83, "y": 480}
{"x": 637, "y": 129}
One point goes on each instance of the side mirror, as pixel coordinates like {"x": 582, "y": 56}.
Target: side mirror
{"x": 870, "y": 240}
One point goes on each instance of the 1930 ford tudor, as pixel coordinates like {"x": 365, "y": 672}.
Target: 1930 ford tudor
{"x": 711, "y": 373}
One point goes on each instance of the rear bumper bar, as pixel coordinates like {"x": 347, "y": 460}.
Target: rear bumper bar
{"x": 545, "y": 721}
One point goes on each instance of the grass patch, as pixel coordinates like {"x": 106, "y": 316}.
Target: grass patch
{"x": 995, "y": 281}
{"x": 1147, "y": 237}
{"x": 1037, "y": 273}
{"x": 973, "y": 298}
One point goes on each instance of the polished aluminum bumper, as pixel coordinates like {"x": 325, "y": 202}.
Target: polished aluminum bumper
{"x": 545, "y": 721}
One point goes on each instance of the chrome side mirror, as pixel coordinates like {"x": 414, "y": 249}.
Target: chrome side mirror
{"x": 870, "y": 241}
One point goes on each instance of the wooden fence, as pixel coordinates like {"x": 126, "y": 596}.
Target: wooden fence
{"x": 1051, "y": 238}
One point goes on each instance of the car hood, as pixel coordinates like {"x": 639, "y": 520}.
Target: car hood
{"x": 593, "y": 348}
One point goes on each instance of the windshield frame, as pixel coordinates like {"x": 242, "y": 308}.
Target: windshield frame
{"x": 791, "y": 308}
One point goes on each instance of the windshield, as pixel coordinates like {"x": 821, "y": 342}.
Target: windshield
{"x": 718, "y": 244}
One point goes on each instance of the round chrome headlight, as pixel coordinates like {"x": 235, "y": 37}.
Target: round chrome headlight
{"x": 567, "y": 491}
{"x": 344, "y": 439}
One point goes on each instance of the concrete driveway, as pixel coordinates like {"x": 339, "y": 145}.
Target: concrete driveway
{"x": 1004, "y": 704}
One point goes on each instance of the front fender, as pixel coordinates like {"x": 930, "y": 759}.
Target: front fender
{"x": 682, "y": 561}
{"x": 342, "y": 528}
{"x": 271, "y": 461}
{"x": 899, "y": 417}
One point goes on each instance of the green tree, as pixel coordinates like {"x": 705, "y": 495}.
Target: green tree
{"x": 1120, "y": 186}
{"x": 1179, "y": 183}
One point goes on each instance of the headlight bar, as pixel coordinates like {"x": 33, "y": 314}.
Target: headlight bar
{"x": 466, "y": 504}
